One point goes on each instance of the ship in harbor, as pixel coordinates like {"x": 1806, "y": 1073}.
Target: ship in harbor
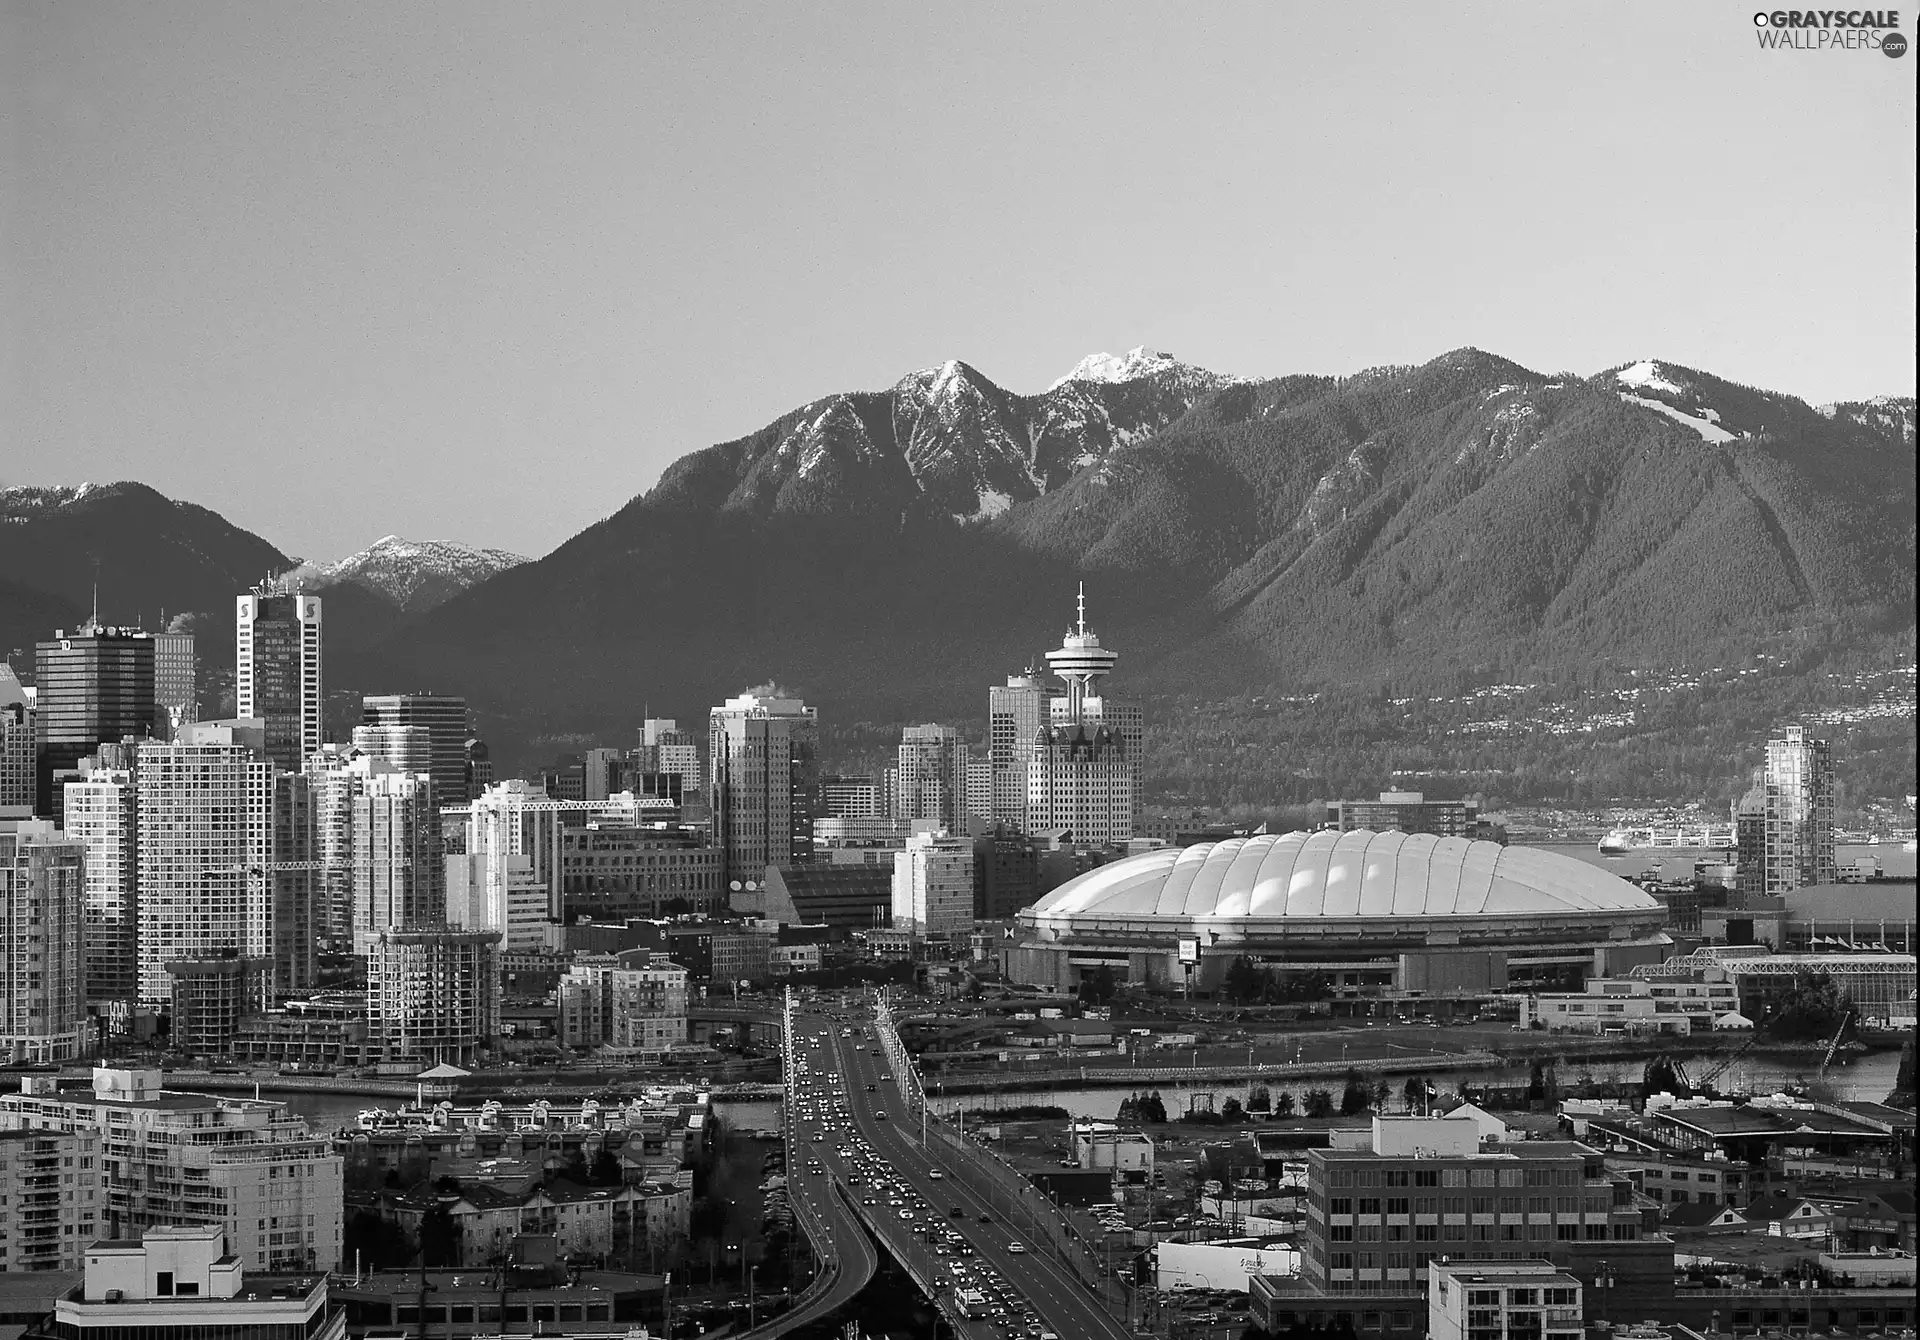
{"x": 1622, "y": 841}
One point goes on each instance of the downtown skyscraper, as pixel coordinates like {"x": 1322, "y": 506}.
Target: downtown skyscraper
{"x": 277, "y": 672}
{"x": 931, "y": 777}
{"x": 449, "y": 729}
{"x": 1083, "y": 769}
{"x": 93, "y": 686}
{"x": 763, "y": 779}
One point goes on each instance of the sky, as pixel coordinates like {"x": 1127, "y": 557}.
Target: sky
{"x": 480, "y": 272}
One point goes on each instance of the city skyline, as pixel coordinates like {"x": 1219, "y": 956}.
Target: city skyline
{"x": 293, "y": 252}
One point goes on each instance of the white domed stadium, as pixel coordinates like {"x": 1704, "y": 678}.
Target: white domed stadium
{"x": 1375, "y": 913}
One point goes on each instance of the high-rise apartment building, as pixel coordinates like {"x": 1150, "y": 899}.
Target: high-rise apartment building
{"x": 402, "y": 748}
{"x": 1799, "y": 810}
{"x": 514, "y": 826}
{"x": 297, "y": 908}
{"x": 16, "y": 743}
{"x": 176, "y": 696}
{"x": 1015, "y": 715}
{"x": 335, "y": 780}
{"x": 433, "y": 993}
{"x": 90, "y": 688}
{"x": 763, "y": 780}
{"x": 206, "y": 803}
{"x": 277, "y": 672}
{"x": 450, "y": 730}
{"x": 186, "y": 1158}
{"x": 399, "y": 863}
{"x": 933, "y": 885}
{"x": 103, "y": 816}
{"x": 932, "y": 776}
{"x": 43, "y": 994}
{"x": 212, "y": 997}
{"x": 51, "y": 1193}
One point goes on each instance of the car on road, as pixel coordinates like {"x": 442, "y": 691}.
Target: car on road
{"x": 1016, "y": 1247}
{"x": 986, "y": 1218}
{"x": 935, "y": 1174}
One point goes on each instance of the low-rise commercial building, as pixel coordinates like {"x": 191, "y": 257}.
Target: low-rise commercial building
{"x": 1503, "y": 1300}
{"x": 1634, "y": 1005}
{"x": 187, "y": 1283}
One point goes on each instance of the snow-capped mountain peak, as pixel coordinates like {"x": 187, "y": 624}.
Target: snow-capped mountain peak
{"x": 1136, "y": 363}
{"x": 415, "y": 574}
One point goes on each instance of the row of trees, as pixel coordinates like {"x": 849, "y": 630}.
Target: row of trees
{"x": 1357, "y": 1097}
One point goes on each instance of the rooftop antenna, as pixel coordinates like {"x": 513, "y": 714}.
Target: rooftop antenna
{"x": 1083, "y": 609}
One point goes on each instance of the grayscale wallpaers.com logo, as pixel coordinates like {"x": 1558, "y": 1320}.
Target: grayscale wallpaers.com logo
{"x": 1831, "y": 30}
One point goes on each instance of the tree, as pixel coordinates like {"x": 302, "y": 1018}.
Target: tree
{"x": 1260, "y": 1099}
{"x": 605, "y": 1170}
{"x": 1357, "y": 1097}
{"x": 374, "y": 1242}
{"x": 1283, "y": 1104}
{"x": 1152, "y": 1109}
{"x": 1231, "y": 1110}
{"x": 1418, "y": 1093}
{"x": 1663, "y": 1076}
{"x": 1903, "y": 1080}
{"x": 1215, "y": 1164}
{"x": 1098, "y": 986}
{"x": 439, "y": 1238}
{"x": 1244, "y": 983}
{"x": 1814, "y": 1009}
{"x": 1317, "y": 1103}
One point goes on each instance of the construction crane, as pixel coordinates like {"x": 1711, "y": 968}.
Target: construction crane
{"x": 1703, "y": 1082}
{"x": 1833, "y": 1046}
{"x": 275, "y": 867}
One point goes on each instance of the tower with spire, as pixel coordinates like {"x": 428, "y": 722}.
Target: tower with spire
{"x": 1083, "y": 766}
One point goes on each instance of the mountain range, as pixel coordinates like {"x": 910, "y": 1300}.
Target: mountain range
{"x": 891, "y": 553}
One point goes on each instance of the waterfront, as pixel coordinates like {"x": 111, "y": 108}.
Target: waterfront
{"x": 1677, "y": 862}
{"x": 1866, "y": 1078}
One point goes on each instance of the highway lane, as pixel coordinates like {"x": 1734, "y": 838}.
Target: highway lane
{"x": 1065, "y": 1306}
{"x": 827, "y": 1135}
{"x": 841, "y": 1244}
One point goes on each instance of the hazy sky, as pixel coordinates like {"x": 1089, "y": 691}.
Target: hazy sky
{"x": 479, "y": 272}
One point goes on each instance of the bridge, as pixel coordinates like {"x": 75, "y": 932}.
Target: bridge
{"x": 823, "y": 1211}
{"x": 1006, "y": 1222}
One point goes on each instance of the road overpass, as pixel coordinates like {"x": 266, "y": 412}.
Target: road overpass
{"x": 1023, "y": 1237}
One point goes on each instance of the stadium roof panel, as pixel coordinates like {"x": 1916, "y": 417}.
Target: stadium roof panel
{"x": 1353, "y": 875}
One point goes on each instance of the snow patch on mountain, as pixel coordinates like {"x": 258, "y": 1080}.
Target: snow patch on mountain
{"x": 1648, "y": 376}
{"x": 415, "y": 574}
{"x": 1709, "y": 430}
